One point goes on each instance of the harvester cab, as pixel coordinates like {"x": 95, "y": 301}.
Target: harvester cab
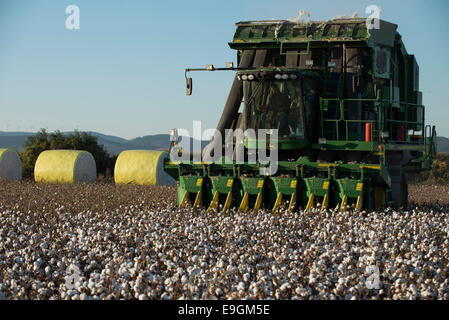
{"x": 282, "y": 99}
{"x": 345, "y": 103}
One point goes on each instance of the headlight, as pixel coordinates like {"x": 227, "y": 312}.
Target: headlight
{"x": 251, "y": 77}
{"x": 293, "y": 76}
{"x": 285, "y": 76}
{"x": 278, "y": 77}
{"x": 244, "y": 77}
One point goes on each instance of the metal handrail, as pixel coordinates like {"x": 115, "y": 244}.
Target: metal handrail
{"x": 342, "y": 118}
{"x": 384, "y": 103}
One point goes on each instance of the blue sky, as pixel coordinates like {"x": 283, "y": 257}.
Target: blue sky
{"x": 122, "y": 72}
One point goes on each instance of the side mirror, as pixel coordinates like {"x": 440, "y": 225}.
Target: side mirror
{"x": 173, "y": 135}
{"x": 189, "y": 86}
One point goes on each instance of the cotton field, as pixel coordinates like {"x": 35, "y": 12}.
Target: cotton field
{"x": 102, "y": 241}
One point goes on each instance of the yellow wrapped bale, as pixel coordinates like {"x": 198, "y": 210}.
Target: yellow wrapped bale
{"x": 144, "y": 167}
{"x": 65, "y": 166}
{"x": 10, "y": 165}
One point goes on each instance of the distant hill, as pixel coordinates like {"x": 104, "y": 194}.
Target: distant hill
{"x": 113, "y": 144}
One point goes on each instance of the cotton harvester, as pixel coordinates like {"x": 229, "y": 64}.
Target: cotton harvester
{"x": 346, "y": 104}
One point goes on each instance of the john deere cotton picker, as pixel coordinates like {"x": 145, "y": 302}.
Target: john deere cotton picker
{"x": 346, "y": 104}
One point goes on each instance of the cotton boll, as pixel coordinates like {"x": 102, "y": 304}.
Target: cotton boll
{"x": 149, "y": 248}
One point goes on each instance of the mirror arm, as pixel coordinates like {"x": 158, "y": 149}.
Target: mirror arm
{"x": 208, "y": 68}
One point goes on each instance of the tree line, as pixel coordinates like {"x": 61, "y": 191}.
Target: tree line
{"x": 43, "y": 141}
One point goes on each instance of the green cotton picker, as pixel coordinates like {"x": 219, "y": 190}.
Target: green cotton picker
{"x": 345, "y": 104}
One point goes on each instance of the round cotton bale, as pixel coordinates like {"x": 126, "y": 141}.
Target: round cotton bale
{"x": 10, "y": 165}
{"x": 65, "y": 166}
{"x": 144, "y": 167}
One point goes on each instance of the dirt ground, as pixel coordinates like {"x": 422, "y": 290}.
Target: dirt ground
{"x": 98, "y": 197}
{"x": 427, "y": 195}
{"x": 102, "y": 197}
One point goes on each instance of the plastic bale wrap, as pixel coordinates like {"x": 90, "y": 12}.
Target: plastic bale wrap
{"x": 10, "y": 165}
{"x": 144, "y": 167}
{"x": 65, "y": 166}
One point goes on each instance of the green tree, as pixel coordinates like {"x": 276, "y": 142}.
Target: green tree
{"x": 42, "y": 141}
{"x": 33, "y": 146}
